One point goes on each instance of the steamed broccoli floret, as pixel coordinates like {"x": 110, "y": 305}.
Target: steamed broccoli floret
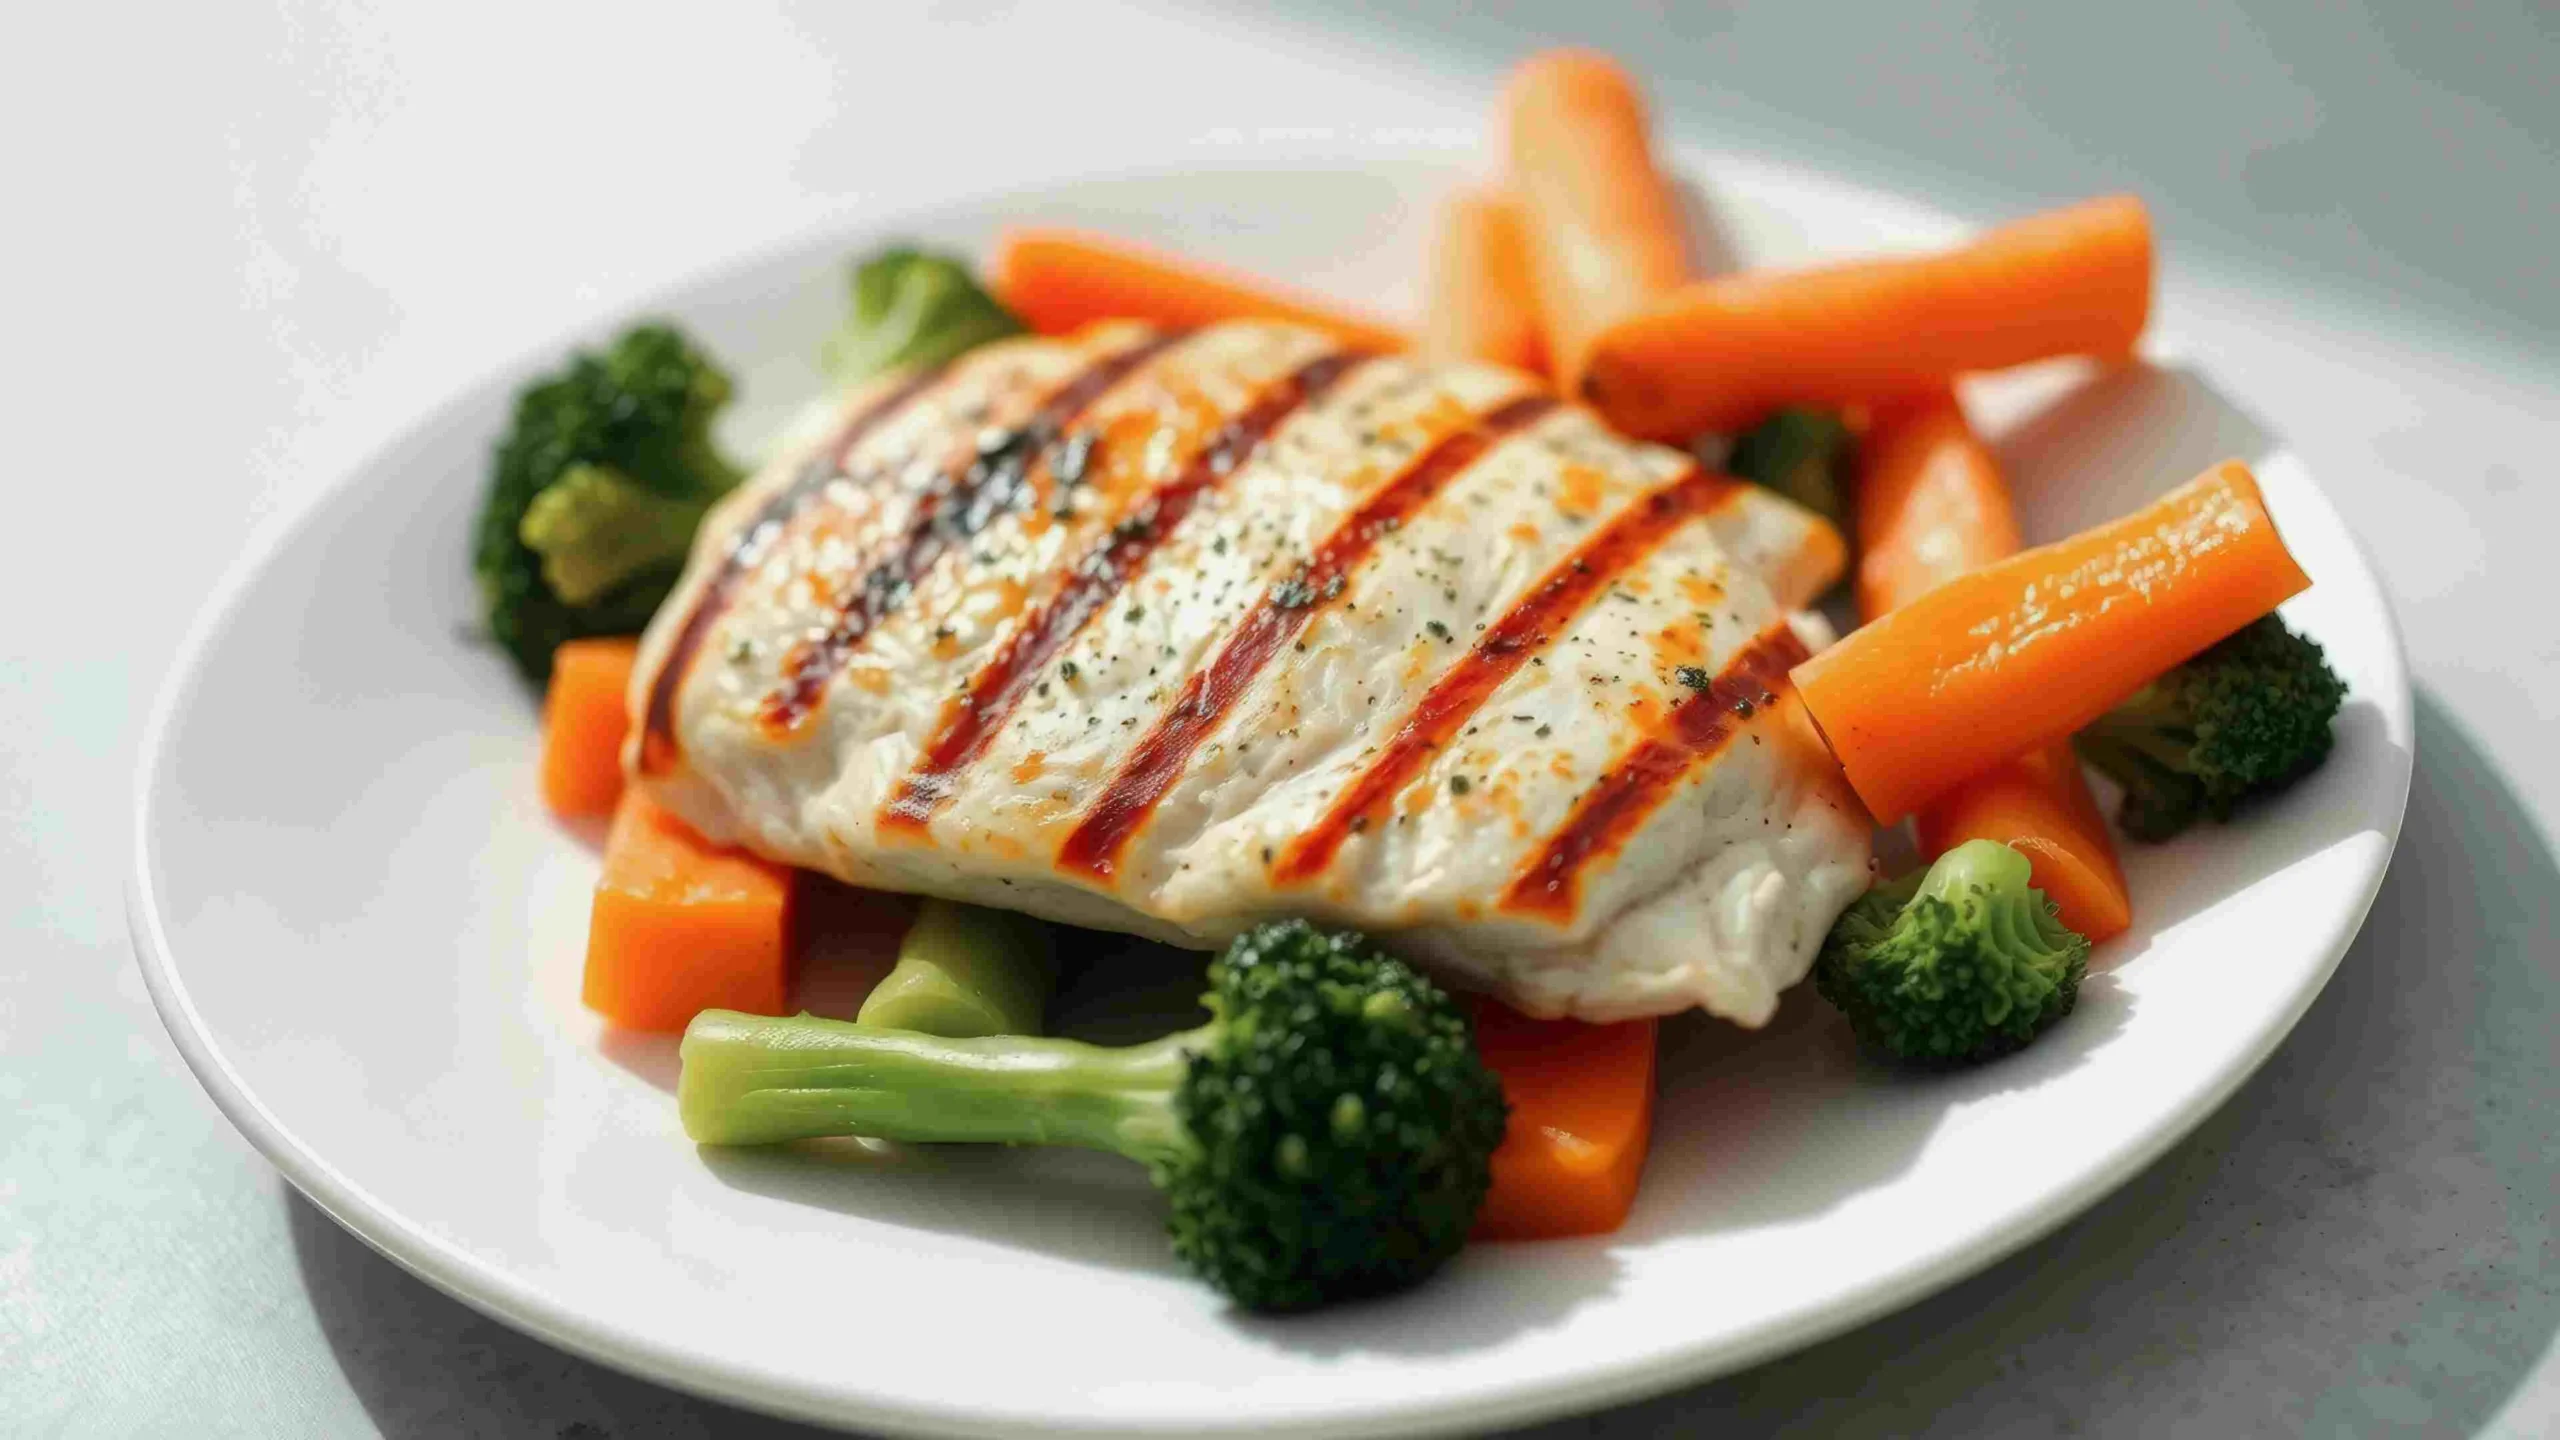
{"x": 1327, "y": 1135}
{"x": 913, "y": 308}
{"x": 2245, "y": 718}
{"x": 1962, "y": 962}
{"x": 595, "y": 492}
{"x": 1803, "y": 455}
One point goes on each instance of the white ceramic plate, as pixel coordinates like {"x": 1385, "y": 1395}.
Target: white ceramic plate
{"x": 366, "y": 938}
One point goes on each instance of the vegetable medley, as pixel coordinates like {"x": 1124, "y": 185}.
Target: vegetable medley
{"x": 1341, "y": 1124}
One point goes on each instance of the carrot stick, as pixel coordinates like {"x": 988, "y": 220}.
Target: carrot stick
{"x": 1717, "y": 355}
{"x": 681, "y": 925}
{"x": 1931, "y": 506}
{"x": 2039, "y": 804}
{"x": 1929, "y": 503}
{"x": 1603, "y": 228}
{"x": 2020, "y": 653}
{"x": 1480, "y": 306}
{"x": 1581, "y": 1118}
{"x": 583, "y": 721}
{"x": 1059, "y": 281}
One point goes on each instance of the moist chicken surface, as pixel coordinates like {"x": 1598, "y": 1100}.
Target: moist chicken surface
{"x": 1170, "y": 634}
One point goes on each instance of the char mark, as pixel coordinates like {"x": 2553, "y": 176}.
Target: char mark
{"x": 1093, "y": 580}
{"x": 1281, "y": 614}
{"x": 963, "y": 500}
{"x": 658, "y": 746}
{"x": 1610, "y": 813}
{"x": 1530, "y": 626}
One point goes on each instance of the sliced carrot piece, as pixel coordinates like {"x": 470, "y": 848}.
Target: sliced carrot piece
{"x": 1931, "y": 505}
{"x": 1480, "y": 306}
{"x": 584, "y": 719}
{"x": 1603, "y": 227}
{"x": 2039, "y": 803}
{"x": 1717, "y": 355}
{"x": 1060, "y": 281}
{"x": 2019, "y": 654}
{"x": 1581, "y": 1119}
{"x": 681, "y": 925}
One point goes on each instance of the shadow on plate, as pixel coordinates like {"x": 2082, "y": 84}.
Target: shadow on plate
{"x": 426, "y": 1366}
{"x": 2360, "y": 1238}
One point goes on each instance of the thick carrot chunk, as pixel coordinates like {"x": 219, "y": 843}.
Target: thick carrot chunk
{"x": 583, "y": 722}
{"x": 1581, "y": 1118}
{"x": 681, "y": 925}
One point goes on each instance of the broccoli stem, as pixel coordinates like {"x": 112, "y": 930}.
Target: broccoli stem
{"x": 755, "y": 1080}
{"x": 964, "y": 970}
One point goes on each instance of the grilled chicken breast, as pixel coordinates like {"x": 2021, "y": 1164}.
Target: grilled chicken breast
{"x": 1170, "y": 634}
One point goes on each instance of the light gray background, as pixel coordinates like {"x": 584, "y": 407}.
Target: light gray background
{"x": 242, "y": 243}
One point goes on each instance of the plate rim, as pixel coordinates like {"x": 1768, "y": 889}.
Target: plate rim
{"x": 490, "y": 1289}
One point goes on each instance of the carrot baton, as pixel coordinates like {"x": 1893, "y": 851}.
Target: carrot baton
{"x": 1719, "y": 354}
{"x": 1603, "y": 228}
{"x": 1060, "y": 281}
{"x": 1581, "y": 1119}
{"x": 1929, "y": 502}
{"x": 2021, "y": 653}
{"x": 1931, "y": 506}
{"x": 1480, "y": 306}
{"x": 2039, "y": 804}
{"x": 585, "y": 715}
{"x": 681, "y": 925}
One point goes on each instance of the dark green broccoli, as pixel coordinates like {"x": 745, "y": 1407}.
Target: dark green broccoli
{"x": 2245, "y": 718}
{"x": 912, "y": 308}
{"x": 1327, "y": 1135}
{"x": 1959, "y": 963}
{"x": 1802, "y": 454}
{"x": 596, "y": 491}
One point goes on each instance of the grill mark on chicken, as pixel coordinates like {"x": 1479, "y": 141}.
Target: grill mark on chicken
{"x": 1696, "y": 728}
{"x": 1094, "y": 579}
{"x": 658, "y": 746}
{"x": 1531, "y": 624}
{"x": 961, "y": 502}
{"x": 1278, "y": 617}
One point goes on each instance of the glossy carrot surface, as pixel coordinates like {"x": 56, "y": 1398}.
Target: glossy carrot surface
{"x": 2022, "y": 652}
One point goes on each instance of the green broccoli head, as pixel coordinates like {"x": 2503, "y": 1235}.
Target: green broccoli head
{"x": 1341, "y": 1125}
{"x": 605, "y": 470}
{"x": 1801, "y": 453}
{"x": 1328, "y": 1134}
{"x": 1960, "y": 963}
{"x": 912, "y": 308}
{"x": 2246, "y": 718}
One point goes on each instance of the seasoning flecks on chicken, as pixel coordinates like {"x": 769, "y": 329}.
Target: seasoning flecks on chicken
{"x": 1131, "y": 682}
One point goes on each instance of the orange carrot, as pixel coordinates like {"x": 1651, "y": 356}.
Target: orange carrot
{"x": 1059, "y": 281}
{"x": 1929, "y": 503}
{"x": 1717, "y": 355}
{"x": 1581, "y": 1117}
{"x": 1931, "y": 506}
{"x": 2039, "y": 803}
{"x": 583, "y": 722}
{"x": 2022, "y": 652}
{"x": 1603, "y": 229}
{"x": 681, "y": 925}
{"x": 1480, "y": 307}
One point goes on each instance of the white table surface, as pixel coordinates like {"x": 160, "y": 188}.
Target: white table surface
{"x": 242, "y": 242}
